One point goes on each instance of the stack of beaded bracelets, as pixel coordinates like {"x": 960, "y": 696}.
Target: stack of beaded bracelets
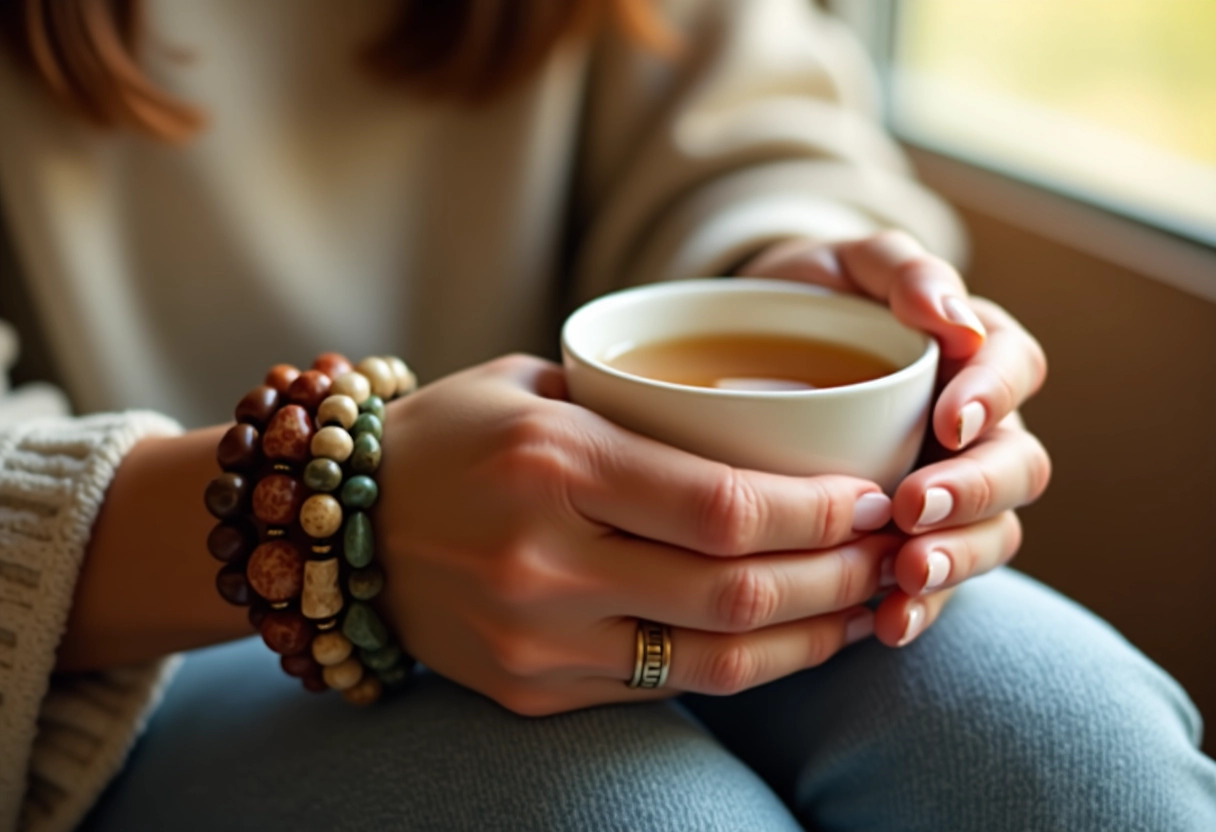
{"x": 300, "y": 557}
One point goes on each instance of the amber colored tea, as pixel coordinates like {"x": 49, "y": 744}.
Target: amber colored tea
{"x": 751, "y": 362}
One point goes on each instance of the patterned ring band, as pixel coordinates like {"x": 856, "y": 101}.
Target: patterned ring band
{"x": 653, "y": 657}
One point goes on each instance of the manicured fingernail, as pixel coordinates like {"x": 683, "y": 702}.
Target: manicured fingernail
{"x": 937, "y": 506}
{"x": 915, "y": 621}
{"x": 886, "y": 573}
{"x": 937, "y": 569}
{"x": 871, "y": 511}
{"x": 957, "y": 311}
{"x": 858, "y": 627}
{"x": 970, "y": 419}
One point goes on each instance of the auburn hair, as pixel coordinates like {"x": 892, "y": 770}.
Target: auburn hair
{"x": 85, "y": 52}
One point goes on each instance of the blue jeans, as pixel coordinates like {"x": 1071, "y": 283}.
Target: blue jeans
{"x": 1017, "y": 711}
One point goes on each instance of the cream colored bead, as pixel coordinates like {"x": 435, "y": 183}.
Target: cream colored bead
{"x": 406, "y": 381}
{"x": 384, "y": 383}
{"x": 353, "y": 384}
{"x": 321, "y": 516}
{"x": 343, "y": 675}
{"x": 331, "y": 648}
{"x": 332, "y": 442}
{"x": 341, "y": 409}
{"x": 366, "y": 692}
{"x": 321, "y": 596}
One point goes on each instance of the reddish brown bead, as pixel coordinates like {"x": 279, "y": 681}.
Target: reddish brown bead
{"x": 227, "y": 495}
{"x": 238, "y": 450}
{"x": 286, "y": 633}
{"x": 333, "y": 364}
{"x": 257, "y": 613}
{"x": 276, "y": 570}
{"x": 232, "y": 585}
{"x": 288, "y": 435}
{"x": 281, "y": 376}
{"x": 232, "y": 541}
{"x": 257, "y": 406}
{"x": 277, "y": 498}
{"x": 314, "y": 683}
{"x": 300, "y": 665}
{"x": 309, "y": 389}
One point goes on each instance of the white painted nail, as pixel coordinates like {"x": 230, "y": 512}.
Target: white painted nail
{"x": 916, "y": 620}
{"x": 858, "y": 627}
{"x": 937, "y": 570}
{"x": 886, "y": 573}
{"x": 871, "y": 511}
{"x": 970, "y": 419}
{"x": 957, "y": 311}
{"x": 937, "y": 506}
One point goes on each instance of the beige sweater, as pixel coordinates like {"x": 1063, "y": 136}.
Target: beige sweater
{"x": 319, "y": 211}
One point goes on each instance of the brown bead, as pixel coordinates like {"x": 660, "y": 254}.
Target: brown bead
{"x": 321, "y": 597}
{"x": 238, "y": 449}
{"x": 227, "y": 495}
{"x": 286, "y": 633}
{"x": 277, "y": 498}
{"x": 343, "y": 675}
{"x": 365, "y": 692}
{"x": 299, "y": 665}
{"x": 232, "y": 585}
{"x": 276, "y": 570}
{"x": 333, "y": 364}
{"x": 331, "y": 648}
{"x": 281, "y": 376}
{"x": 288, "y": 435}
{"x": 315, "y": 683}
{"x": 309, "y": 389}
{"x": 232, "y": 541}
{"x": 257, "y": 613}
{"x": 257, "y": 406}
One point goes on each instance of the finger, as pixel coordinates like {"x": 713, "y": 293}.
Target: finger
{"x": 801, "y": 261}
{"x": 939, "y": 560}
{"x": 1006, "y": 469}
{"x": 900, "y": 619}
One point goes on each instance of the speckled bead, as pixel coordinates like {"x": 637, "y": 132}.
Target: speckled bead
{"x": 277, "y": 498}
{"x": 322, "y": 594}
{"x": 358, "y": 542}
{"x": 323, "y": 475}
{"x": 321, "y": 516}
{"x": 286, "y": 633}
{"x": 309, "y": 389}
{"x": 257, "y": 406}
{"x": 368, "y": 423}
{"x": 338, "y": 410}
{"x": 276, "y": 570}
{"x": 353, "y": 384}
{"x": 333, "y": 364}
{"x": 381, "y": 659}
{"x": 365, "y": 455}
{"x": 365, "y": 692}
{"x": 288, "y": 435}
{"x": 280, "y": 377}
{"x": 227, "y": 495}
{"x": 331, "y": 648}
{"x": 378, "y": 372}
{"x": 232, "y": 541}
{"x": 343, "y": 675}
{"x": 363, "y": 627}
{"x": 232, "y": 586}
{"x": 299, "y": 664}
{"x": 332, "y": 442}
{"x": 366, "y": 583}
{"x": 375, "y": 406}
{"x": 404, "y": 377}
{"x": 239, "y": 448}
{"x": 359, "y": 492}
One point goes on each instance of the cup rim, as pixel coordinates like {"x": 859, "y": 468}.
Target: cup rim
{"x": 749, "y": 285}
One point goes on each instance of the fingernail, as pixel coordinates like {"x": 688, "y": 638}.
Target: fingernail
{"x": 970, "y": 419}
{"x": 937, "y": 569}
{"x": 886, "y": 573}
{"x": 957, "y": 311}
{"x": 871, "y": 511}
{"x": 916, "y": 620}
{"x": 858, "y": 627}
{"x": 937, "y": 506}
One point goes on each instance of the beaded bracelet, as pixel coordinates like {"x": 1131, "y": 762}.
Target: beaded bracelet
{"x": 329, "y": 422}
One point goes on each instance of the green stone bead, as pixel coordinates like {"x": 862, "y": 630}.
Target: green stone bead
{"x": 368, "y": 423}
{"x": 360, "y": 492}
{"x": 364, "y": 628}
{"x": 357, "y": 541}
{"x": 375, "y": 406}
{"x": 381, "y": 659}
{"x": 395, "y": 676}
{"x": 323, "y": 475}
{"x": 365, "y": 584}
{"x": 365, "y": 459}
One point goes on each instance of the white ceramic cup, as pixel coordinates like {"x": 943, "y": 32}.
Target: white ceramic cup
{"x": 872, "y": 429}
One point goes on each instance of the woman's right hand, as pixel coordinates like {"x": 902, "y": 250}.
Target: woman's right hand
{"x": 523, "y": 537}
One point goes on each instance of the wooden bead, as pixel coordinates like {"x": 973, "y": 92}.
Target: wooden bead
{"x": 338, "y": 410}
{"x": 276, "y": 570}
{"x": 322, "y": 594}
{"x": 359, "y": 492}
{"x": 406, "y": 381}
{"x": 321, "y": 516}
{"x": 332, "y": 442}
{"x": 309, "y": 389}
{"x": 288, "y": 435}
{"x": 331, "y": 648}
{"x": 353, "y": 384}
{"x": 232, "y": 586}
{"x": 323, "y": 475}
{"x": 367, "y": 423}
{"x": 286, "y": 633}
{"x": 232, "y": 541}
{"x": 277, "y": 498}
{"x": 239, "y": 448}
{"x": 314, "y": 683}
{"x": 280, "y": 377}
{"x": 333, "y": 364}
{"x": 365, "y": 454}
{"x": 358, "y": 541}
{"x": 257, "y": 406}
{"x": 227, "y": 495}
{"x": 257, "y": 613}
{"x": 299, "y": 664}
{"x": 343, "y": 675}
{"x": 366, "y": 583}
{"x": 378, "y": 372}
{"x": 365, "y": 692}
{"x": 363, "y": 627}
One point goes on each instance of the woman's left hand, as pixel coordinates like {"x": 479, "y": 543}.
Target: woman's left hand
{"x": 958, "y": 510}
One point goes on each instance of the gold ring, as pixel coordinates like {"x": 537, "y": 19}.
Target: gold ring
{"x": 652, "y": 659}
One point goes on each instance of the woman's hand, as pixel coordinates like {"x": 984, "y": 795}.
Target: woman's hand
{"x": 523, "y": 537}
{"x": 959, "y": 510}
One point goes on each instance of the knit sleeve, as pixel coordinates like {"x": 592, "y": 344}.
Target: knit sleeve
{"x": 62, "y": 737}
